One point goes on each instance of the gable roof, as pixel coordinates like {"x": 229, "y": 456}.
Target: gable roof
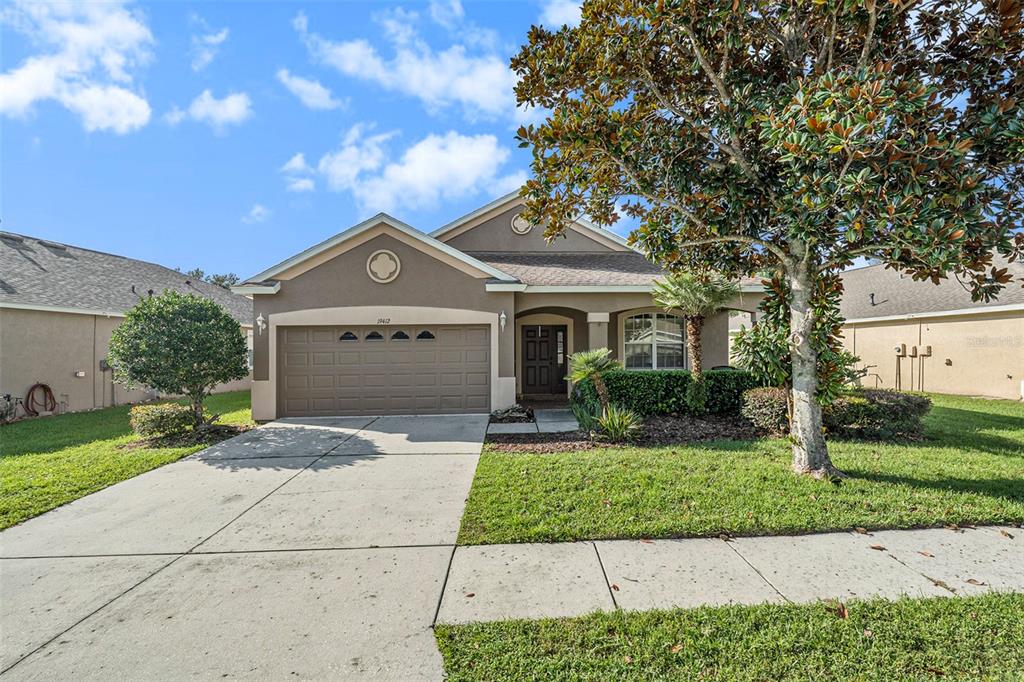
{"x": 356, "y": 230}
{"x": 897, "y": 295}
{"x": 580, "y": 225}
{"x": 37, "y": 274}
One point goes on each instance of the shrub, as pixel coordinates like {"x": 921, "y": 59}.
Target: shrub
{"x": 586, "y": 415}
{"x": 877, "y": 414}
{"x": 665, "y": 391}
{"x": 618, "y": 423}
{"x": 160, "y": 420}
{"x": 858, "y": 414}
{"x": 766, "y": 408}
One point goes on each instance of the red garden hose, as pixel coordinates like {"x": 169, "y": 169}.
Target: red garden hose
{"x": 34, "y": 407}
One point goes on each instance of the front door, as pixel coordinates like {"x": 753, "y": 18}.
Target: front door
{"x": 544, "y": 359}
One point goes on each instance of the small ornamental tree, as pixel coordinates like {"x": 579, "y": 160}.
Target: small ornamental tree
{"x": 751, "y": 137}
{"x": 697, "y": 298}
{"x": 179, "y": 344}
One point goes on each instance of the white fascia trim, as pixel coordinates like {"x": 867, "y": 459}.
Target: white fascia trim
{"x": 1011, "y": 307}
{"x": 505, "y": 286}
{"x": 59, "y": 309}
{"x": 250, "y": 289}
{"x": 369, "y": 224}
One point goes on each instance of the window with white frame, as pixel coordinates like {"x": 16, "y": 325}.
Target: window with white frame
{"x": 654, "y": 341}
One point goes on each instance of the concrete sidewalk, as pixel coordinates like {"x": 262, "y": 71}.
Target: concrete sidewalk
{"x": 497, "y": 582}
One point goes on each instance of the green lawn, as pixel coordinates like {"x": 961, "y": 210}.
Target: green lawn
{"x": 47, "y": 462}
{"x": 921, "y": 639}
{"x": 969, "y": 470}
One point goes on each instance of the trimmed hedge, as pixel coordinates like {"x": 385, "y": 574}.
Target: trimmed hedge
{"x": 664, "y": 391}
{"x": 857, "y": 414}
{"x": 160, "y": 419}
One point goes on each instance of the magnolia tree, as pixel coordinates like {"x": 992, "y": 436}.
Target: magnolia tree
{"x": 748, "y": 137}
{"x": 179, "y": 344}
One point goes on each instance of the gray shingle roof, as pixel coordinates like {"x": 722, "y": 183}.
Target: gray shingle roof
{"x": 39, "y": 272}
{"x": 574, "y": 269}
{"x": 898, "y": 294}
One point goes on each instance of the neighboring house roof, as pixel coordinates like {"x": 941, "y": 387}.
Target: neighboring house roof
{"x": 513, "y": 198}
{"x": 574, "y": 269}
{"x": 40, "y": 274}
{"x": 897, "y": 295}
{"x": 356, "y": 230}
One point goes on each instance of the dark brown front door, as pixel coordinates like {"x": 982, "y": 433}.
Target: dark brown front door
{"x": 544, "y": 359}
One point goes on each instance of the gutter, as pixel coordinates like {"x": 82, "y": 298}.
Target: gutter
{"x": 1011, "y": 307}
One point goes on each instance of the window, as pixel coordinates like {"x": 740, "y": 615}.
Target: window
{"x": 348, "y": 336}
{"x": 653, "y": 341}
{"x": 399, "y": 336}
{"x": 425, "y": 335}
{"x": 374, "y": 336}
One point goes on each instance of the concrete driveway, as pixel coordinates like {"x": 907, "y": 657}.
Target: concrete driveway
{"x": 312, "y": 548}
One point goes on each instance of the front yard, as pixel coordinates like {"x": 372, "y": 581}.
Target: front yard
{"x": 913, "y": 639}
{"x": 968, "y": 470}
{"x": 47, "y": 462}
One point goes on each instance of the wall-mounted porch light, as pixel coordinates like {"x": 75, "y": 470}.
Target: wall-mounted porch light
{"x": 502, "y": 319}
{"x": 261, "y": 323}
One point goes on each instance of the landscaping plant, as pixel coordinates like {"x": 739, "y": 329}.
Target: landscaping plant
{"x": 665, "y": 391}
{"x": 696, "y": 297}
{"x": 162, "y": 419}
{"x": 180, "y": 345}
{"x": 618, "y": 423}
{"x": 589, "y": 365}
{"x": 787, "y": 138}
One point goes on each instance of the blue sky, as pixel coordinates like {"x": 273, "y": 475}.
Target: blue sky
{"x": 228, "y": 136}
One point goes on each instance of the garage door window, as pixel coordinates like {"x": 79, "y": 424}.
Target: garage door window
{"x": 399, "y": 336}
{"x": 374, "y": 336}
{"x": 425, "y": 335}
{"x": 348, "y": 336}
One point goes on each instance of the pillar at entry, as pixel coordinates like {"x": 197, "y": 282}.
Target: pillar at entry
{"x": 597, "y": 330}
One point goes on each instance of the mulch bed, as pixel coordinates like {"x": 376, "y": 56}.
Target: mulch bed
{"x": 517, "y": 414}
{"x": 207, "y": 436}
{"x": 665, "y": 430}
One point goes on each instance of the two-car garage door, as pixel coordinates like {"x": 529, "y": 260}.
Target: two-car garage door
{"x": 325, "y": 371}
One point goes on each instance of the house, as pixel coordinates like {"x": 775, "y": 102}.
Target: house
{"x": 59, "y": 305}
{"x": 926, "y": 337}
{"x": 386, "y": 319}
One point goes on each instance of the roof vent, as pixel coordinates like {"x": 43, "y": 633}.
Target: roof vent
{"x": 11, "y": 238}
{"x": 53, "y": 245}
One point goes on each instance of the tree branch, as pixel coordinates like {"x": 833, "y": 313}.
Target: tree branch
{"x": 741, "y": 239}
{"x": 705, "y": 65}
{"x": 872, "y": 20}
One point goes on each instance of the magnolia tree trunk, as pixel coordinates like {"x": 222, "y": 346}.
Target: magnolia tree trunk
{"x": 810, "y": 453}
{"x": 694, "y": 325}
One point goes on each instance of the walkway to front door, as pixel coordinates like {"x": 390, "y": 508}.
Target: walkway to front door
{"x": 545, "y": 356}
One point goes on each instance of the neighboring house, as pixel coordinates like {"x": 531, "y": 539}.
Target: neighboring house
{"x": 59, "y": 305}
{"x": 385, "y": 319}
{"x": 926, "y": 337}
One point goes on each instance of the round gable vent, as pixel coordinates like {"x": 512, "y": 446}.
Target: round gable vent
{"x": 520, "y": 225}
{"x": 383, "y": 266}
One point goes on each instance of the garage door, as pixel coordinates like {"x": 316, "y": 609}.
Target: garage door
{"x": 325, "y": 371}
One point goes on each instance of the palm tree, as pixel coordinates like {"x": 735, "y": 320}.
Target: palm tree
{"x": 591, "y": 364}
{"x": 696, "y": 298}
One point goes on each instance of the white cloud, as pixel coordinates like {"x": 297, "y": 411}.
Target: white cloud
{"x": 310, "y": 92}
{"x": 232, "y": 109}
{"x": 297, "y": 174}
{"x": 556, "y": 13}
{"x": 257, "y": 214}
{"x": 435, "y": 169}
{"x": 481, "y": 84}
{"x": 301, "y": 185}
{"x": 296, "y": 165}
{"x": 447, "y": 13}
{"x": 87, "y": 53}
{"x": 205, "y": 44}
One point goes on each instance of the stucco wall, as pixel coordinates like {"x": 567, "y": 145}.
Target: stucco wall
{"x": 985, "y": 353}
{"x": 422, "y": 281}
{"x": 495, "y": 234}
{"x": 47, "y": 347}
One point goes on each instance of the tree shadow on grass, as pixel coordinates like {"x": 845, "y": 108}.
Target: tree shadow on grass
{"x": 971, "y": 430}
{"x": 1010, "y": 489}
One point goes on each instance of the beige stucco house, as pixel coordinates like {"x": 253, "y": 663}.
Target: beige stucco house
{"x": 926, "y": 337}
{"x": 386, "y": 319}
{"x": 59, "y": 304}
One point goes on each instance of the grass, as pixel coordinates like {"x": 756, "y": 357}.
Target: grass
{"x": 970, "y": 469}
{"x": 913, "y": 639}
{"x": 47, "y": 462}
